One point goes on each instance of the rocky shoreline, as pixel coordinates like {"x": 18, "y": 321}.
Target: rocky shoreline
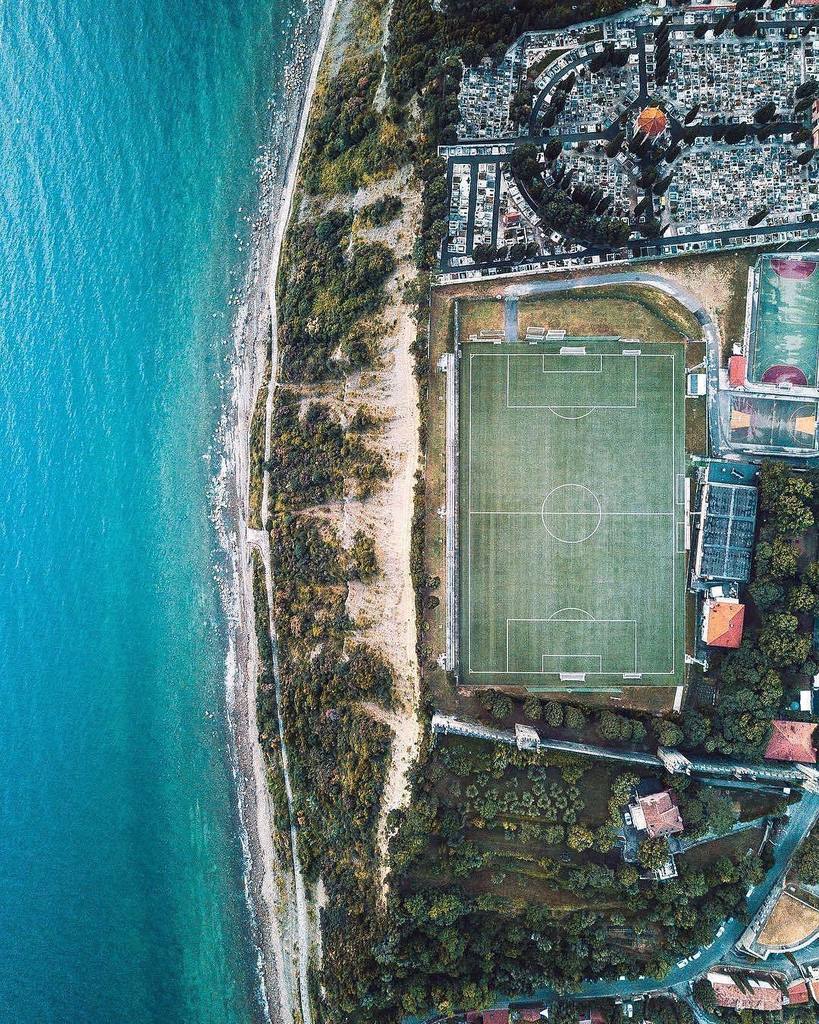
{"x": 268, "y": 881}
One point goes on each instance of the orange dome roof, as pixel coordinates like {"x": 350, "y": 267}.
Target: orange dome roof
{"x": 652, "y": 121}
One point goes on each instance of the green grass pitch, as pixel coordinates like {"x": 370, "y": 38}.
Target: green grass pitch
{"x": 571, "y": 516}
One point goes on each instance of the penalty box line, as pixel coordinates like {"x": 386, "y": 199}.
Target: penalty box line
{"x": 603, "y": 355}
{"x": 534, "y": 672}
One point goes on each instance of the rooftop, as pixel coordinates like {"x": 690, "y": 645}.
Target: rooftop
{"x": 737, "y": 371}
{"x": 652, "y": 121}
{"x": 798, "y": 993}
{"x": 658, "y": 814}
{"x": 722, "y": 623}
{"x": 792, "y": 741}
{"x": 755, "y": 994}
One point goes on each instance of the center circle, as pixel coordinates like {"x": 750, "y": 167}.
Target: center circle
{"x": 571, "y": 513}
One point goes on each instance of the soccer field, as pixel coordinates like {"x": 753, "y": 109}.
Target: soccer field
{"x": 571, "y": 516}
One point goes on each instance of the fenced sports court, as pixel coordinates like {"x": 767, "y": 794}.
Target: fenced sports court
{"x": 784, "y": 330}
{"x": 786, "y": 425}
{"x": 571, "y": 515}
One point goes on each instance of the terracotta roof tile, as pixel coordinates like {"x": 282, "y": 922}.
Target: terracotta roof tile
{"x": 792, "y": 741}
{"x": 725, "y": 622}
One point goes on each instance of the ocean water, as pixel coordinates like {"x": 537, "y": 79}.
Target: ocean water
{"x": 128, "y": 135}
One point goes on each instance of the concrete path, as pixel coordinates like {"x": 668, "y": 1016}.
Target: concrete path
{"x": 510, "y": 318}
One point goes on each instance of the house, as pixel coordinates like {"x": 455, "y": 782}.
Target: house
{"x": 722, "y": 622}
{"x": 753, "y": 994}
{"x": 657, "y": 814}
{"x": 792, "y": 741}
{"x": 488, "y": 1017}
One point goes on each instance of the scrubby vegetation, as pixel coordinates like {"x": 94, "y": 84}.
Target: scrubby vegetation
{"x": 330, "y": 294}
{"x": 382, "y": 211}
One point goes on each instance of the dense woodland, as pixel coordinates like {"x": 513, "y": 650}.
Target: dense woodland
{"x": 757, "y": 682}
{"x": 508, "y": 878}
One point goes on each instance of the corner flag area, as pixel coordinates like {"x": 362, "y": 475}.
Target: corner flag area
{"x": 571, "y": 515}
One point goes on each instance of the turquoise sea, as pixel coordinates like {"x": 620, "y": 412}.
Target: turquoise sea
{"x": 129, "y": 131}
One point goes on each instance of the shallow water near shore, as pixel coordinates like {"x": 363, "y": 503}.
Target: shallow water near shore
{"x": 129, "y": 132}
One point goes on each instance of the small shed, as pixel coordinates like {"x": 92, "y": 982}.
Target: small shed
{"x": 737, "y": 371}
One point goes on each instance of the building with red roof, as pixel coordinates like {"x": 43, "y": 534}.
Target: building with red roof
{"x": 792, "y": 741}
{"x": 754, "y": 994}
{"x": 797, "y": 993}
{"x": 737, "y": 371}
{"x": 657, "y": 814}
{"x": 591, "y": 1017}
{"x": 652, "y": 121}
{"x": 722, "y": 622}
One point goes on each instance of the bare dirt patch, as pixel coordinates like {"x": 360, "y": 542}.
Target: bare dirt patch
{"x": 790, "y": 922}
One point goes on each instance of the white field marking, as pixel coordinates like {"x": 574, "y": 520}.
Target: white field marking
{"x": 591, "y": 408}
{"x": 560, "y": 415}
{"x": 597, "y": 513}
{"x": 502, "y": 512}
{"x": 643, "y": 355}
{"x": 554, "y": 616}
{"x": 566, "y": 355}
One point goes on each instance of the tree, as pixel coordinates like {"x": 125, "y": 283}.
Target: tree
{"x": 811, "y": 576}
{"x": 775, "y": 560}
{"x": 575, "y": 719}
{"x": 765, "y": 112}
{"x": 782, "y": 642}
{"x": 807, "y": 862}
{"x": 532, "y": 708}
{"x": 609, "y": 725}
{"x": 801, "y": 599}
{"x": 483, "y": 253}
{"x": 695, "y": 726}
{"x": 553, "y": 714}
{"x": 766, "y": 594}
{"x": 669, "y": 733}
{"x": 705, "y": 995}
{"x": 720, "y": 815}
{"x": 579, "y": 838}
{"x": 653, "y": 854}
{"x": 553, "y": 148}
{"x": 791, "y": 513}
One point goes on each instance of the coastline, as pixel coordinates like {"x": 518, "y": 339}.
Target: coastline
{"x": 271, "y": 889}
